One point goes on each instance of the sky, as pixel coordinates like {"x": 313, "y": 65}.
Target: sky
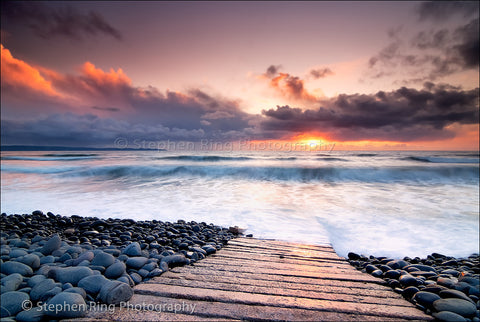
{"x": 363, "y": 75}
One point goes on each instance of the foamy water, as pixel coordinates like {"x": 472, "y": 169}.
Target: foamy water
{"x": 382, "y": 203}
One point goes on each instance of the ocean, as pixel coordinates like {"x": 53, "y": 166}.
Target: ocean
{"x": 382, "y": 203}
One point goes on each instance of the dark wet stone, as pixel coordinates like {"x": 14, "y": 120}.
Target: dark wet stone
{"x": 11, "y": 267}
{"x": 425, "y": 299}
{"x": 115, "y": 270}
{"x": 70, "y": 274}
{"x": 474, "y": 281}
{"x": 370, "y": 268}
{"x": 11, "y": 302}
{"x": 410, "y": 291}
{"x": 209, "y": 249}
{"x": 420, "y": 267}
{"x": 133, "y": 249}
{"x": 175, "y": 260}
{"x": 17, "y": 253}
{"x": 136, "y": 262}
{"x": 115, "y": 292}
{"x": 31, "y": 260}
{"x": 41, "y": 288}
{"x": 408, "y": 280}
{"x": 455, "y": 294}
{"x": 103, "y": 259}
{"x": 36, "y": 314}
{"x": 452, "y": 272}
{"x": 92, "y": 284}
{"x": 88, "y": 256}
{"x": 392, "y": 274}
{"x": 423, "y": 273}
{"x": 447, "y": 282}
{"x": 446, "y": 316}
{"x": 67, "y": 305}
{"x": 459, "y": 306}
{"x": 136, "y": 278}
{"x": 35, "y": 279}
{"x": 11, "y": 282}
{"x": 51, "y": 245}
{"x": 435, "y": 289}
{"x": 77, "y": 290}
{"x": 397, "y": 264}
{"x": 377, "y": 273}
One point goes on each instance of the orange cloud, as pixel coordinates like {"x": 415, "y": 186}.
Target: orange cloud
{"x": 291, "y": 87}
{"x": 19, "y": 74}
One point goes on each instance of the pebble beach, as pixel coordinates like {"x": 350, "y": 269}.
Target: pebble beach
{"x": 56, "y": 267}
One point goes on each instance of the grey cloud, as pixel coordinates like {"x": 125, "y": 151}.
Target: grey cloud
{"x": 272, "y": 70}
{"x": 48, "y": 20}
{"x": 441, "y": 10}
{"x": 321, "y": 72}
{"x": 108, "y": 109}
{"x": 403, "y": 115}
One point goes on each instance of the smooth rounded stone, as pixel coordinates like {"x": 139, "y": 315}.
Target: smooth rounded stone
{"x": 35, "y": 279}
{"x": 435, "y": 289}
{"x": 397, "y": 264}
{"x": 209, "y": 249}
{"x": 103, "y": 259}
{"x": 88, "y": 256}
{"x": 115, "y": 292}
{"x": 447, "y": 316}
{"x": 70, "y": 274}
{"x": 41, "y": 288}
{"x": 115, "y": 270}
{"x": 66, "y": 286}
{"x": 423, "y": 273}
{"x": 452, "y": 272}
{"x": 377, "y": 273}
{"x": 35, "y": 314}
{"x": 17, "y": 253}
{"x": 11, "y": 302}
{"x": 199, "y": 250}
{"x": 36, "y": 239}
{"x": 112, "y": 251}
{"x": 11, "y": 267}
{"x": 67, "y": 305}
{"x": 425, "y": 299}
{"x": 408, "y": 280}
{"x": 31, "y": 260}
{"x": 51, "y": 293}
{"x": 136, "y": 262}
{"x": 175, "y": 260}
{"x": 11, "y": 282}
{"x": 143, "y": 273}
{"x": 394, "y": 274}
{"x": 447, "y": 282}
{"x": 459, "y": 306}
{"x": 155, "y": 272}
{"x": 370, "y": 268}
{"x": 410, "y": 291}
{"x": 474, "y": 281}
{"x": 51, "y": 245}
{"x": 454, "y": 293}
{"x": 92, "y": 284}
{"x": 150, "y": 266}
{"x": 64, "y": 257}
{"x": 133, "y": 249}
{"x": 136, "y": 277}
{"x": 47, "y": 259}
{"x": 77, "y": 290}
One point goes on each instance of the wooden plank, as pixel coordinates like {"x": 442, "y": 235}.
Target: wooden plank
{"x": 200, "y": 294}
{"x": 234, "y": 243}
{"x": 277, "y": 243}
{"x": 219, "y": 310}
{"x": 295, "y": 259}
{"x": 321, "y": 286}
{"x": 332, "y": 296}
{"x": 292, "y": 276}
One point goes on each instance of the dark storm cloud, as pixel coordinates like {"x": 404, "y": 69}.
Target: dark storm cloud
{"x": 47, "y": 21}
{"x": 272, "y": 70}
{"x": 402, "y": 115}
{"x": 441, "y": 10}
{"x": 321, "y": 72}
{"x": 431, "y": 54}
{"x": 108, "y": 109}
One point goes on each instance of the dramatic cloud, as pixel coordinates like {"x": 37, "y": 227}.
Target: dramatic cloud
{"x": 48, "y": 22}
{"x": 441, "y": 10}
{"x": 18, "y": 74}
{"x": 321, "y": 72}
{"x": 288, "y": 86}
{"x": 434, "y": 52}
{"x": 403, "y": 115}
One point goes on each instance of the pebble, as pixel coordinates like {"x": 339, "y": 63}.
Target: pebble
{"x": 459, "y": 306}
{"x": 72, "y": 259}
{"x": 425, "y": 299}
{"x": 12, "y": 303}
{"x": 447, "y": 316}
{"x": 67, "y": 306}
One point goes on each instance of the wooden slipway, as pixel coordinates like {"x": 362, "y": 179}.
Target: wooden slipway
{"x": 266, "y": 280}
